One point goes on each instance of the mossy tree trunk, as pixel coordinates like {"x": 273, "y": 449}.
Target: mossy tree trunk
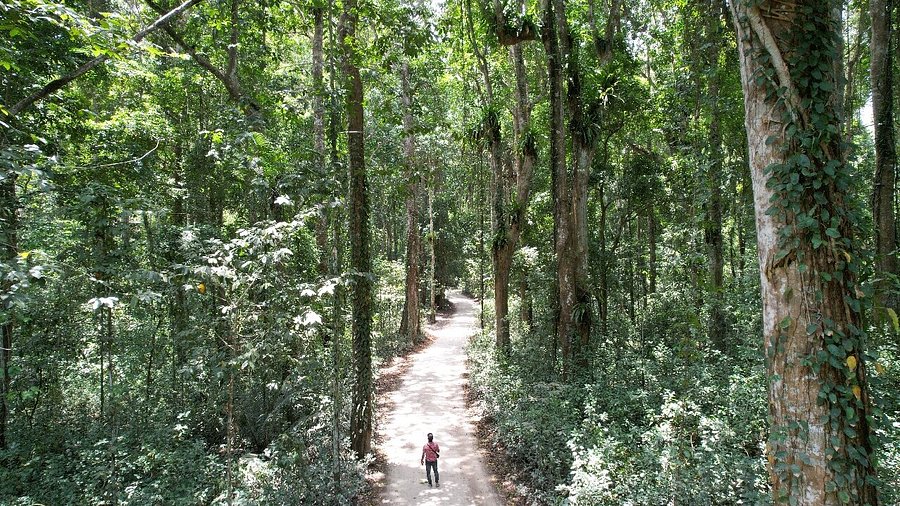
{"x": 361, "y": 260}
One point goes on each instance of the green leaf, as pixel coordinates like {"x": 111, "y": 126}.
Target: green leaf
{"x": 844, "y": 496}
{"x": 785, "y": 323}
{"x": 893, "y": 315}
{"x": 832, "y": 232}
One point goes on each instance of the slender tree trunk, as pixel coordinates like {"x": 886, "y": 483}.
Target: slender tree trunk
{"x": 603, "y": 288}
{"x": 318, "y": 85}
{"x": 481, "y": 202}
{"x": 884, "y": 193}
{"x": 651, "y": 239}
{"x": 339, "y": 179}
{"x": 9, "y": 226}
{"x": 361, "y": 260}
{"x": 174, "y": 256}
{"x": 819, "y": 449}
{"x": 412, "y": 328}
{"x": 713, "y": 229}
{"x": 559, "y": 182}
{"x": 432, "y": 302}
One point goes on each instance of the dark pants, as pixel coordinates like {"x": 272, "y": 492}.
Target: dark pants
{"x": 437, "y": 476}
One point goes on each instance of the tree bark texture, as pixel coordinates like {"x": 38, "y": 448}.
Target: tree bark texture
{"x": 819, "y": 448}
{"x": 361, "y": 260}
{"x": 515, "y": 188}
{"x": 412, "y": 320}
{"x": 884, "y": 192}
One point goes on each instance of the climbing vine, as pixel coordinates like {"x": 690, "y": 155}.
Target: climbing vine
{"x": 809, "y": 186}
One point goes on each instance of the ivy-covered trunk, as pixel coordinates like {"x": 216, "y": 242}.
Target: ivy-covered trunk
{"x": 819, "y": 449}
{"x": 361, "y": 261}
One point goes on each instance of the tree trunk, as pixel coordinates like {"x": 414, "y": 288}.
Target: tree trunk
{"x": 713, "y": 229}
{"x": 318, "y": 92}
{"x": 361, "y": 261}
{"x": 884, "y": 189}
{"x": 412, "y": 327}
{"x": 651, "y": 238}
{"x": 560, "y": 187}
{"x": 572, "y": 264}
{"x": 432, "y": 302}
{"x": 819, "y": 447}
{"x": 508, "y": 220}
{"x": 9, "y": 207}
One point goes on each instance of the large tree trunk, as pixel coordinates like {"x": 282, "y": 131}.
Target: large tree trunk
{"x": 819, "y": 446}
{"x": 508, "y": 222}
{"x": 412, "y": 323}
{"x": 572, "y": 261}
{"x": 884, "y": 192}
{"x": 361, "y": 261}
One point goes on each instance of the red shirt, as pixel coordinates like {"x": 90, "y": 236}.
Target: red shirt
{"x": 431, "y": 450}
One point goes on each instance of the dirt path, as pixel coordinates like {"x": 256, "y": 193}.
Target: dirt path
{"x": 431, "y": 399}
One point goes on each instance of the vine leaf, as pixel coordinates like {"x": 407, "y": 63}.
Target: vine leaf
{"x": 894, "y": 320}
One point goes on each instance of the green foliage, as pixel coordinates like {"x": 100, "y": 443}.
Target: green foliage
{"x": 656, "y": 424}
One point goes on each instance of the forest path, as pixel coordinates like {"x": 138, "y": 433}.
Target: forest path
{"x": 431, "y": 398}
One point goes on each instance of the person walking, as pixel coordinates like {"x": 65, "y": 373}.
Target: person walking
{"x": 430, "y": 453}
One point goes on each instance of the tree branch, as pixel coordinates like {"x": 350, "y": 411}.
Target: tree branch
{"x": 232, "y": 86}
{"x": 781, "y": 69}
{"x": 61, "y": 82}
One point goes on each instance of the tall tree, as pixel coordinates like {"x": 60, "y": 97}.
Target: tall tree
{"x": 558, "y": 176}
{"x": 712, "y": 231}
{"x": 884, "y": 193}
{"x": 360, "y": 256}
{"x": 512, "y": 188}
{"x": 820, "y": 449}
{"x": 411, "y": 325}
{"x": 9, "y": 209}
